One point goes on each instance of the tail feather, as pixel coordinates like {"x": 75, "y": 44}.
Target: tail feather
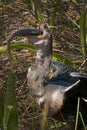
{"x": 78, "y": 75}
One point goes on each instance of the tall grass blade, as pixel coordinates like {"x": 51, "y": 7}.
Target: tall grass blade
{"x": 82, "y": 121}
{"x": 38, "y": 10}
{"x": 57, "y": 4}
{"x": 1, "y": 107}
{"x": 83, "y": 33}
{"x": 77, "y": 115}
{"x": 23, "y": 46}
{"x": 10, "y": 119}
{"x": 73, "y": 21}
{"x": 33, "y": 49}
{"x": 20, "y": 46}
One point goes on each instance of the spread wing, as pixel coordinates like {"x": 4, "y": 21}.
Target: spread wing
{"x": 62, "y": 76}
{"x": 69, "y": 79}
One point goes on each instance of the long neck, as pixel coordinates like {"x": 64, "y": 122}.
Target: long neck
{"x": 44, "y": 54}
{"x": 39, "y": 71}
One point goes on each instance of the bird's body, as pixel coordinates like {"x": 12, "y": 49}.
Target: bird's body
{"x": 51, "y": 93}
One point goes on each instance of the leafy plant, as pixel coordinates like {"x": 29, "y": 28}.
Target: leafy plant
{"x": 83, "y": 33}
{"x": 55, "y": 10}
{"x": 8, "y": 106}
{"x": 1, "y": 107}
{"x": 37, "y": 10}
{"x": 10, "y": 119}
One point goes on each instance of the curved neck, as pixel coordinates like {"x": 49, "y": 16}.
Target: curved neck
{"x": 44, "y": 51}
{"x": 39, "y": 71}
{"x": 44, "y": 54}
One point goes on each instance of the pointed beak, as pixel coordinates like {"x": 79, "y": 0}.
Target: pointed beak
{"x": 28, "y": 32}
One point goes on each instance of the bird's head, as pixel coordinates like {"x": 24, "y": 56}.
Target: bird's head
{"x": 41, "y": 37}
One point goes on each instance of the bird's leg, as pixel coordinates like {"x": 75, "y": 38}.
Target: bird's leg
{"x": 44, "y": 116}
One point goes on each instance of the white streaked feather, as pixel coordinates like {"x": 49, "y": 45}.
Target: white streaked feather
{"x": 40, "y": 100}
{"x": 71, "y": 86}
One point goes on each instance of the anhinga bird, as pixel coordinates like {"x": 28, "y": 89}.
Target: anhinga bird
{"x": 50, "y": 93}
